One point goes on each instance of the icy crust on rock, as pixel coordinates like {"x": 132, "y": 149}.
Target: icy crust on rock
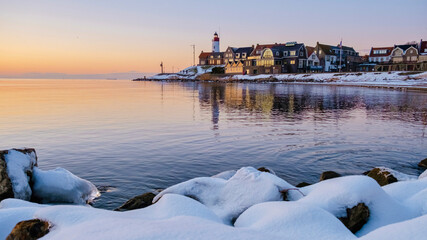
{"x": 337, "y": 194}
{"x": 293, "y": 219}
{"x": 18, "y": 164}
{"x": 61, "y": 186}
{"x": 398, "y": 175}
{"x": 229, "y": 198}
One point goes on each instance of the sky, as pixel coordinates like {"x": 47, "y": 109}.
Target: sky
{"x": 77, "y": 37}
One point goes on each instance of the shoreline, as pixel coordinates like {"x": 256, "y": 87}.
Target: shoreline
{"x": 416, "y": 81}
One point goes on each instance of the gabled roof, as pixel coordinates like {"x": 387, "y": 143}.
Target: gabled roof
{"x": 205, "y": 54}
{"x": 310, "y": 50}
{"x": 405, "y": 47}
{"x": 327, "y": 49}
{"x": 389, "y": 50}
{"x": 259, "y": 47}
{"x": 246, "y": 50}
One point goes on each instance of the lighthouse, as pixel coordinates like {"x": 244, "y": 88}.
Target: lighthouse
{"x": 215, "y": 43}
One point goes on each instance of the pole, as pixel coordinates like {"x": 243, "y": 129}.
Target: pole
{"x": 340, "y": 54}
{"x": 194, "y": 54}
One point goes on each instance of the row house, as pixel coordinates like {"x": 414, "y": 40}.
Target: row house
{"x": 211, "y": 58}
{"x": 422, "y": 51}
{"x": 332, "y": 58}
{"x": 277, "y": 58}
{"x": 313, "y": 61}
{"x": 380, "y": 54}
{"x": 404, "y": 53}
{"x": 235, "y": 58}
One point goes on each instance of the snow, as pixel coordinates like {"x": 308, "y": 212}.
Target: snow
{"x": 411, "y": 229}
{"x": 423, "y": 175}
{"x": 229, "y": 198}
{"x": 337, "y": 194}
{"x": 18, "y": 164}
{"x": 361, "y": 78}
{"x": 189, "y": 73}
{"x": 61, "y": 186}
{"x": 299, "y": 220}
{"x": 248, "y": 196}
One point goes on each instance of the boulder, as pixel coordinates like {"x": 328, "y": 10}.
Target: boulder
{"x": 328, "y": 175}
{"x": 356, "y": 217}
{"x": 423, "y": 163}
{"x": 29, "y": 230}
{"x": 382, "y": 176}
{"x": 265, "y": 169}
{"x": 140, "y": 201}
{"x": 6, "y": 183}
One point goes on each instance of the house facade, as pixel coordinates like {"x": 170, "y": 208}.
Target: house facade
{"x": 212, "y": 58}
{"x": 313, "y": 62}
{"x": 422, "y": 50}
{"x": 235, "y": 58}
{"x": 332, "y": 58}
{"x": 277, "y": 58}
{"x": 380, "y": 54}
{"x": 407, "y": 53}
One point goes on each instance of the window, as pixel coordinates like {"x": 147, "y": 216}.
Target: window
{"x": 277, "y": 53}
{"x": 425, "y": 49}
{"x": 414, "y": 58}
{"x": 309, "y": 63}
{"x": 313, "y": 56}
{"x": 243, "y": 55}
{"x": 301, "y": 53}
{"x": 293, "y": 53}
{"x": 301, "y": 64}
{"x": 292, "y": 61}
{"x": 258, "y": 52}
{"x": 285, "y": 53}
{"x": 237, "y": 55}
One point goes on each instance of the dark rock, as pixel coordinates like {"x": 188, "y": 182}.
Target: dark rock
{"x": 140, "y": 201}
{"x": 302, "y": 184}
{"x": 366, "y": 173}
{"x": 329, "y": 175}
{"x": 423, "y": 163}
{"x": 265, "y": 169}
{"x": 6, "y": 188}
{"x": 383, "y": 177}
{"x": 29, "y": 230}
{"x": 356, "y": 217}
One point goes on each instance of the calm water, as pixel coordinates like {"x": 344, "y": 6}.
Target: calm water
{"x": 138, "y": 136}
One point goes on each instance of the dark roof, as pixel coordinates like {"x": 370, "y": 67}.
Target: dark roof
{"x": 216, "y": 54}
{"x": 327, "y": 49}
{"x": 246, "y": 50}
{"x": 404, "y": 47}
{"x": 262, "y": 47}
{"x": 389, "y": 50}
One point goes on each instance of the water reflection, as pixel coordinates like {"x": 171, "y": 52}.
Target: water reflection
{"x": 296, "y": 102}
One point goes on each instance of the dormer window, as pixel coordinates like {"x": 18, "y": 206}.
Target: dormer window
{"x": 293, "y": 53}
{"x": 301, "y": 53}
{"x": 237, "y": 55}
{"x": 285, "y": 53}
{"x": 243, "y": 55}
{"x": 277, "y": 53}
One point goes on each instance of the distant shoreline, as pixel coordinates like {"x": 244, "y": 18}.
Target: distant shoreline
{"x": 398, "y": 80}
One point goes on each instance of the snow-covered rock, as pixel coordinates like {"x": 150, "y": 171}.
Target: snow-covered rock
{"x": 61, "y": 186}
{"x": 423, "y": 175}
{"x": 337, "y": 194}
{"x": 229, "y": 198}
{"x": 293, "y": 220}
{"x": 19, "y": 168}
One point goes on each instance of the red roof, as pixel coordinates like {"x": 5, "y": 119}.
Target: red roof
{"x": 205, "y": 54}
{"x": 388, "y": 52}
{"x": 310, "y": 50}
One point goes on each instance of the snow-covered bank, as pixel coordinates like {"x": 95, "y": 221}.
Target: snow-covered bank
{"x": 243, "y": 204}
{"x": 190, "y": 73}
{"x": 369, "y": 79}
{"x": 404, "y": 79}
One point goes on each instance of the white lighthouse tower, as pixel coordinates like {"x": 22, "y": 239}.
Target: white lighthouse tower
{"x": 215, "y": 43}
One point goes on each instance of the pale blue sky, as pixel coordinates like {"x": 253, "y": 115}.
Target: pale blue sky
{"x": 118, "y": 36}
